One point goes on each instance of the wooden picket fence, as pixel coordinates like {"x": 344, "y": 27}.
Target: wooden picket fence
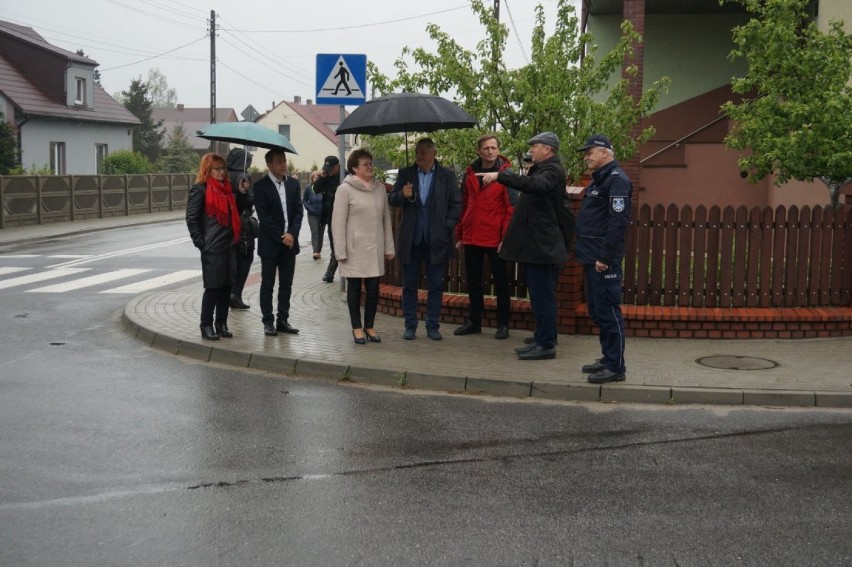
{"x": 739, "y": 257}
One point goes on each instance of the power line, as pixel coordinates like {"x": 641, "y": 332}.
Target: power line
{"x": 355, "y": 26}
{"x": 156, "y": 56}
{"x": 517, "y": 35}
{"x": 270, "y": 68}
{"x": 263, "y": 51}
{"x": 152, "y": 15}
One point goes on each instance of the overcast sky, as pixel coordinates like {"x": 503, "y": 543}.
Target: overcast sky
{"x": 266, "y": 49}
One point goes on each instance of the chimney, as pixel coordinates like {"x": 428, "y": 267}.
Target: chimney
{"x": 297, "y": 99}
{"x": 180, "y": 107}
{"x": 310, "y": 102}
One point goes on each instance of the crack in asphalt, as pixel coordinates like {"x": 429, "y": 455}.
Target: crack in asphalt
{"x": 443, "y": 462}
{"x": 174, "y": 487}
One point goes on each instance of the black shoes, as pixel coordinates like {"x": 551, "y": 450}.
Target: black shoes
{"x": 284, "y": 327}
{"x": 269, "y": 329}
{"x": 237, "y": 303}
{"x": 519, "y": 350}
{"x": 359, "y": 340}
{"x": 537, "y": 352}
{"x": 434, "y": 334}
{"x": 222, "y": 331}
{"x": 531, "y": 340}
{"x": 208, "y": 333}
{"x": 408, "y": 335}
{"x": 468, "y": 328}
{"x": 605, "y": 376}
{"x": 594, "y": 367}
{"x": 328, "y": 278}
{"x": 374, "y": 338}
{"x": 502, "y": 332}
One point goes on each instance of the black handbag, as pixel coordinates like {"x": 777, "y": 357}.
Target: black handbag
{"x": 254, "y": 227}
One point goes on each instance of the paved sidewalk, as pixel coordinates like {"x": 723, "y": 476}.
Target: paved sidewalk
{"x": 808, "y": 372}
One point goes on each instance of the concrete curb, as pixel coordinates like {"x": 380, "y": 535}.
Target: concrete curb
{"x": 218, "y": 352}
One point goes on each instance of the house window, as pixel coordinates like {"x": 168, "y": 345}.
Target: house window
{"x": 57, "y": 158}
{"x": 284, "y": 130}
{"x": 101, "y": 152}
{"x": 80, "y": 97}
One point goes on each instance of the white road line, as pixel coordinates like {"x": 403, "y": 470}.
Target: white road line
{"x": 10, "y": 270}
{"x": 88, "y": 282}
{"x": 153, "y": 283}
{"x": 41, "y": 276}
{"x": 120, "y": 253}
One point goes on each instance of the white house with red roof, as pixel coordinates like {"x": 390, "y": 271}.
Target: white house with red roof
{"x": 309, "y": 127}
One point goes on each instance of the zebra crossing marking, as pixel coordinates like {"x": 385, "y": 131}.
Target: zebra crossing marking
{"x": 153, "y": 283}
{"x": 41, "y": 276}
{"x": 10, "y": 270}
{"x": 89, "y": 281}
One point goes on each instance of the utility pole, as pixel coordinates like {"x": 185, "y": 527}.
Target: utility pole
{"x": 212, "y": 73}
{"x": 494, "y": 58}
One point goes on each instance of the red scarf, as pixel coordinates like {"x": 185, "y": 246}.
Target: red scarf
{"x": 219, "y": 203}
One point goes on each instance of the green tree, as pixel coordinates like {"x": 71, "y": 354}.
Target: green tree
{"x": 148, "y": 136}
{"x": 178, "y": 156}
{"x": 125, "y": 162}
{"x": 8, "y": 147}
{"x": 560, "y": 90}
{"x": 795, "y": 118}
{"x": 158, "y": 90}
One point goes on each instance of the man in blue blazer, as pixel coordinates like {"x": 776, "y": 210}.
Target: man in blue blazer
{"x": 278, "y": 204}
{"x": 431, "y": 203}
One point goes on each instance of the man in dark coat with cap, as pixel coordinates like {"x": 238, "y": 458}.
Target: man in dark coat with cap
{"x": 326, "y": 185}
{"x": 601, "y": 227}
{"x": 534, "y": 239}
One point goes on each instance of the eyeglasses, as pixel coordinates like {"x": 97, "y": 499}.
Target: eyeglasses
{"x": 218, "y": 168}
{"x": 368, "y": 164}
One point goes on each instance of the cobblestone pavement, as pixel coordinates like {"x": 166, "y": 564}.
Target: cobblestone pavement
{"x": 806, "y": 372}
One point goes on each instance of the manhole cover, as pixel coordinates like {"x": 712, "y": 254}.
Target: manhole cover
{"x": 727, "y": 362}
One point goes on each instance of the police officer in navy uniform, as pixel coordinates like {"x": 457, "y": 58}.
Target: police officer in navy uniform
{"x": 601, "y": 227}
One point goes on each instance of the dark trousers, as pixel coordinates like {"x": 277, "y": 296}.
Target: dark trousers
{"x": 217, "y": 299}
{"x": 411, "y": 279}
{"x": 371, "y": 301}
{"x": 603, "y": 294}
{"x": 317, "y": 229}
{"x": 541, "y": 282}
{"x": 244, "y": 262}
{"x": 473, "y": 258}
{"x": 285, "y": 265}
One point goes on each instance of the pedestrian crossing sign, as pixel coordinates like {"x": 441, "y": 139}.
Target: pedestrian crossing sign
{"x": 341, "y": 78}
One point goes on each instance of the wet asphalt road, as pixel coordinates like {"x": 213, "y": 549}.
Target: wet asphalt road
{"x": 112, "y": 453}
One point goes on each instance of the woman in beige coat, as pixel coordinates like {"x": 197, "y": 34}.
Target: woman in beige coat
{"x": 363, "y": 240}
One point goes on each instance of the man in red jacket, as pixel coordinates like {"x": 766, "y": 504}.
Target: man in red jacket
{"x": 485, "y": 215}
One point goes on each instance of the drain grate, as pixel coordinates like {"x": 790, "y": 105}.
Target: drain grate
{"x": 728, "y": 362}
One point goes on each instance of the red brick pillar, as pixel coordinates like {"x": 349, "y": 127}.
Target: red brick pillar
{"x": 634, "y": 12}
{"x": 569, "y": 287}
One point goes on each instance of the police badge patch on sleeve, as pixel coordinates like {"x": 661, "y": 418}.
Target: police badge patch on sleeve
{"x": 618, "y": 204}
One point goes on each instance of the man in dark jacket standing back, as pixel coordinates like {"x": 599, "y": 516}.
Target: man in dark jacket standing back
{"x": 238, "y": 162}
{"x": 534, "y": 238}
{"x": 429, "y": 196}
{"x": 601, "y": 228}
{"x": 485, "y": 214}
{"x": 327, "y": 185}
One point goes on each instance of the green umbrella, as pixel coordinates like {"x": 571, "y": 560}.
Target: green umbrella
{"x": 246, "y": 133}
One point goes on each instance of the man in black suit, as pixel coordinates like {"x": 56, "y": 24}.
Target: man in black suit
{"x": 279, "y": 209}
{"x": 431, "y": 202}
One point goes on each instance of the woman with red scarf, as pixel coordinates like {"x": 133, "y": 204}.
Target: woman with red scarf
{"x": 214, "y": 226}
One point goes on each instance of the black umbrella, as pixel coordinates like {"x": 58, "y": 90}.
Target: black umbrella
{"x": 405, "y": 112}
